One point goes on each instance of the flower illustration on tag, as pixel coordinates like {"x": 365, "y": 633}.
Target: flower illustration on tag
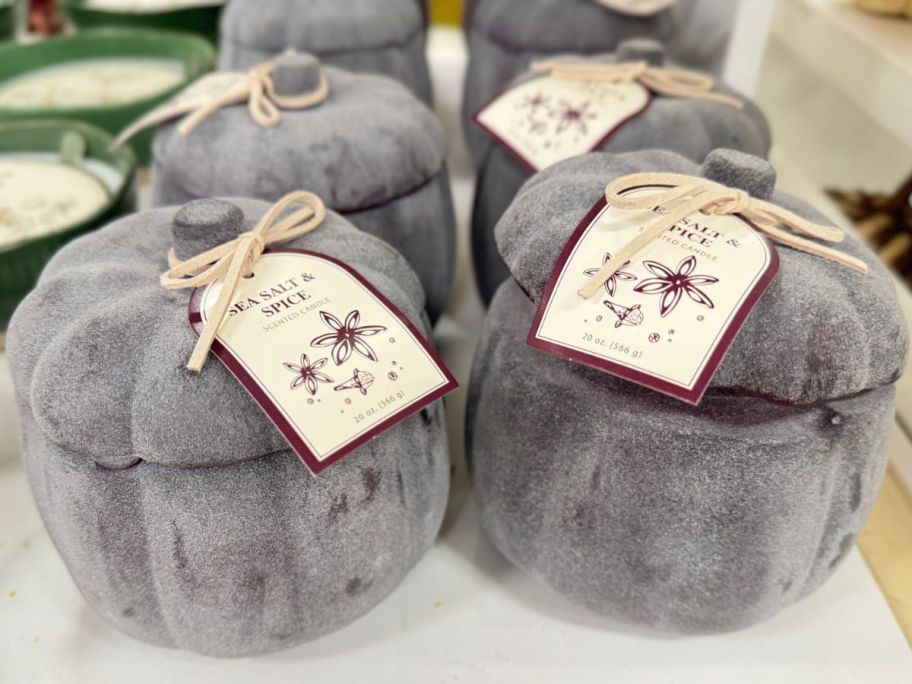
{"x": 611, "y": 283}
{"x": 672, "y": 285}
{"x": 360, "y": 381}
{"x": 630, "y": 316}
{"x": 347, "y": 337}
{"x": 308, "y": 374}
{"x": 534, "y": 104}
{"x": 573, "y": 116}
{"x": 537, "y": 127}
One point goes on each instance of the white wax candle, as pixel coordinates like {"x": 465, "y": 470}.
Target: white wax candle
{"x": 39, "y": 196}
{"x": 92, "y": 83}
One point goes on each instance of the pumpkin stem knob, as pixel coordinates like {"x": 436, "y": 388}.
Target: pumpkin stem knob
{"x": 755, "y": 176}
{"x": 296, "y": 73}
{"x": 203, "y": 224}
{"x": 641, "y": 50}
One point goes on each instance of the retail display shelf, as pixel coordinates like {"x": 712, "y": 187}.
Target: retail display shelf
{"x": 842, "y": 139}
{"x": 868, "y": 57}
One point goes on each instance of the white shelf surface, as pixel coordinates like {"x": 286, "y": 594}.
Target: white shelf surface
{"x": 868, "y": 57}
{"x": 463, "y": 615}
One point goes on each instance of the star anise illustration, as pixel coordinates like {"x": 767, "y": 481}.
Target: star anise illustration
{"x": 569, "y": 115}
{"x": 360, "y": 381}
{"x": 346, "y": 338}
{"x": 611, "y": 283}
{"x": 537, "y": 127}
{"x": 534, "y": 102}
{"x": 673, "y": 285}
{"x": 308, "y": 374}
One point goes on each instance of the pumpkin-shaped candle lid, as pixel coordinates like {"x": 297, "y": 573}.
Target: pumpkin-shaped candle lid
{"x": 108, "y": 378}
{"x": 821, "y": 331}
{"x": 368, "y": 143}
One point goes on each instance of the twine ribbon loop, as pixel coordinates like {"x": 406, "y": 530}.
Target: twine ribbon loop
{"x": 664, "y": 81}
{"x": 258, "y": 91}
{"x": 682, "y": 196}
{"x": 231, "y": 261}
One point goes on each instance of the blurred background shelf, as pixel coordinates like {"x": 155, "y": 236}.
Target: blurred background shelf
{"x": 867, "y": 57}
{"x": 836, "y": 84}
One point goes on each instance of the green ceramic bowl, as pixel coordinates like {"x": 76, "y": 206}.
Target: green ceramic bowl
{"x": 21, "y": 262}
{"x": 8, "y": 11}
{"x": 195, "y": 53}
{"x": 202, "y": 19}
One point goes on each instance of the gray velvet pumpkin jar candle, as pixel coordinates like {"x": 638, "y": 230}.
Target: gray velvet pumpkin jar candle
{"x": 689, "y": 126}
{"x": 506, "y": 36}
{"x": 177, "y": 506}
{"x": 387, "y": 37}
{"x": 371, "y": 150}
{"x": 649, "y": 510}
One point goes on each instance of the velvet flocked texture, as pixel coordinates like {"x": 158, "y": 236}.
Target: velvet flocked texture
{"x": 180, "y": 511}
{"x": 690, "y": 127}
{"x": 386, "y": 37}
{"x": 372, "y": 151}
{"x": 644, "y": 508}
{"x": 506, "y": 36}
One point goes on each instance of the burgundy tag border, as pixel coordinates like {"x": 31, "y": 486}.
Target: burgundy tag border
{"x": 519, "y": 156}
{"x": 239, "y": 371}
{"x": 692, "y": 396}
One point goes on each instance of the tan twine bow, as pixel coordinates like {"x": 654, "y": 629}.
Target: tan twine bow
{"x": 671, "y": 82}
{"x": 230, "y": 262}
{"x": 258, "y": 90}
{"x": 686, "y": 196}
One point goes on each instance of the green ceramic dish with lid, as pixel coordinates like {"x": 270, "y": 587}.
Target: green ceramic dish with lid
{"x": 58, "y": 180}
{"x": 106, "y": 77}
{"x": 8, "y": 10}
{"x": 197, "y": 16}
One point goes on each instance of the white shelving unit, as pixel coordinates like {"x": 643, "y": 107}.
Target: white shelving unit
{"x": 866, "y": 57}
{"x": 837, "y": 87}
{"x": 748, "y": 43}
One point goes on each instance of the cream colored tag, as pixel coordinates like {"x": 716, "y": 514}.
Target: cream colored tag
{"x": 546, "y": 120}
{"x": 667, "y": 319}
{"x": 640, "y": 8}
{"x": 194, "y": 96}
{"x": 328, "y": 358}
{"x": 96, "y": 82}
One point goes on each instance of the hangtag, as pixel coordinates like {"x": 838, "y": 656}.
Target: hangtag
{"x": 199, "y": 93}
{"x": 666, "y": 319}
{"x": 328, "y": 358}
{"x": 545, "y": 120}
{"x": 640, "y": 8}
